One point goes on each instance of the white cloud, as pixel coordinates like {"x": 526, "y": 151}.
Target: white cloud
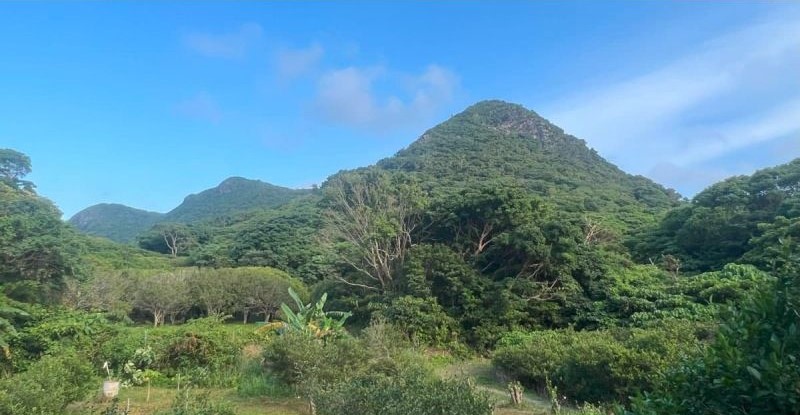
{"x": 738, "y": 90}
{"x": 292, "y": 63}
{"x": 224, "y": 45}
{"x": 773, "y": 124}
{"x": 200, "y": 107}
{"x": 352, "y": 96}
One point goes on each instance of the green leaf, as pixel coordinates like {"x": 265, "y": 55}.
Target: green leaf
{"x": 753, "y": 372}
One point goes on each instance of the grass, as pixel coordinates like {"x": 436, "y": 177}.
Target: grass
{"x": 161, "y": 400}
{"x": 489, "y": 380}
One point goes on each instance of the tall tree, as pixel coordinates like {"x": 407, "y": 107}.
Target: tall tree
{"x": 13, "y": 167}
{"x": 370, "y": 219}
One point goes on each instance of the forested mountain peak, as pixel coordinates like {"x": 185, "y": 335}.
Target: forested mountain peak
{"x": 498, "y": 140}
{"x": 508, "y": 118}
{"x": 233, "y": 195}
{"x": 114, "y": 221}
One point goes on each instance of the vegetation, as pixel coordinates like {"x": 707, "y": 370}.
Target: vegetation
{"x": 117, "y": 222}
{"x": 495, "y": 236}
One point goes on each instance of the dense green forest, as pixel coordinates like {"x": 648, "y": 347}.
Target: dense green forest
{"x": 496, "y": 265}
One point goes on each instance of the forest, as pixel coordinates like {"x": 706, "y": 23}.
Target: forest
{"x": 497, "y": 265}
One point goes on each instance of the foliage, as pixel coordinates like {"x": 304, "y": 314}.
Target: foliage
{"x": 47, "y": 386}
{"x": 13, "y": 167}
{"x": 170, "y": 238}
{"x": 594, "y": 366}
{"x": 35, "y": 246}
{"x": 52, "y": 331}
{"x": 421, "y": 320}
{"x": 233, "y": 195}
{"x": 728, "y": 222}
{"x": 370, "y": 216}
{"x": 203, "y": 352}
{"x": 312, "y": 319}
{"x": 10, "y": 317}
{"x": 752, "y": 365}
{"x": 376, "y": 373}
{"x": 116, "y": 222}
{"x": 408, "y": 392}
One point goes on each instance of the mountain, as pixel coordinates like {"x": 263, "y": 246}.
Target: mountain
{"x": 117, "y": 222}
{"x": 232, "y": 196}
{"x": 496, "y": 139}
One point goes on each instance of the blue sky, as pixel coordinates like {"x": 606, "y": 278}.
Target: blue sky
{"x": 144, "y": 103}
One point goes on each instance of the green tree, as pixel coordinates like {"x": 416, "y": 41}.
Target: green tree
{"x": 169, "y": 238}
{"x": 751, "y": 367}
{"x": 370, "y": 219}
{"x": 13, "y": 167}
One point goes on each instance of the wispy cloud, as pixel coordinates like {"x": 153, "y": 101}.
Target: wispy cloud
{"x": 703, "y": 106}
{"x": 224, "y": 45}
{"x": 291, "y": 63}
{"x": 200, "y": 107}
{"x": 351, "y": 96}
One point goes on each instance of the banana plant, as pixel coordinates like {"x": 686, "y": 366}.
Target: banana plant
{"x": 312, "y": 319}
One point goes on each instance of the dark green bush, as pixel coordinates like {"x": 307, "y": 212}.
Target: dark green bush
{"x": 751, "y": 368}
{"x": 594, "y": 366}
{"x": 378, "y": 373}
{"x": 409, "y": 392}
{"x": 302, "y": 361}
{"x": 204, "y": 351}
{"x": 48, "y": 386}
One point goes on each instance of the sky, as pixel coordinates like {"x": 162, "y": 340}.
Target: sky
{"x": 144, "y": 103}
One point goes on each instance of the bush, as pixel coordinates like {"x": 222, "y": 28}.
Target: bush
{"x": 47, "y": 387}
{"x": 410, "y": 392}
{"x": 204, "y": 351}
{"x": 378, "y": 373}
{"x": 422, "y": 320}
{"x": 751, "y": 368}
{"x": 255, "y": 381}
{"x": 594, "y": 366}
{"x": 302, "y": 361}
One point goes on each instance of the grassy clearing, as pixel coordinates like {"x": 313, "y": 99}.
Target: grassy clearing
{"x": 489, "y": 380}
{"x": 161, "y": 399}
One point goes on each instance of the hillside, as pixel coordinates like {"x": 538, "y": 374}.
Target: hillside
{"x": 233, "y": 195}
{"x": 496, "y": 139}
{"x": 117, "y": 222}
{"x": 740, "y": 219}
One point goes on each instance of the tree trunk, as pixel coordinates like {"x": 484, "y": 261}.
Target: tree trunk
{"x": 158, "y": 318}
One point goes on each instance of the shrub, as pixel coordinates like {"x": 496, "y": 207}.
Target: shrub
{"x": 410, "y": 392}
{"x": 751, "y": 368}
{"x": 378, "y": 373}
{"x": 47, "y": 387}
{"x": 422, "y": 320}
{"x": 594, "y": 366}
{"x": 301, "y": 361}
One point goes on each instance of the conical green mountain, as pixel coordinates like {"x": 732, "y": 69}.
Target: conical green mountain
{"x": 489, "y": 140}
{"x": 496, "y": 139}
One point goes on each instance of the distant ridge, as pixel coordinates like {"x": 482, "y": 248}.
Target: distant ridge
{"x": 234, "y": 195}
{"x": 117, "y": 222}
